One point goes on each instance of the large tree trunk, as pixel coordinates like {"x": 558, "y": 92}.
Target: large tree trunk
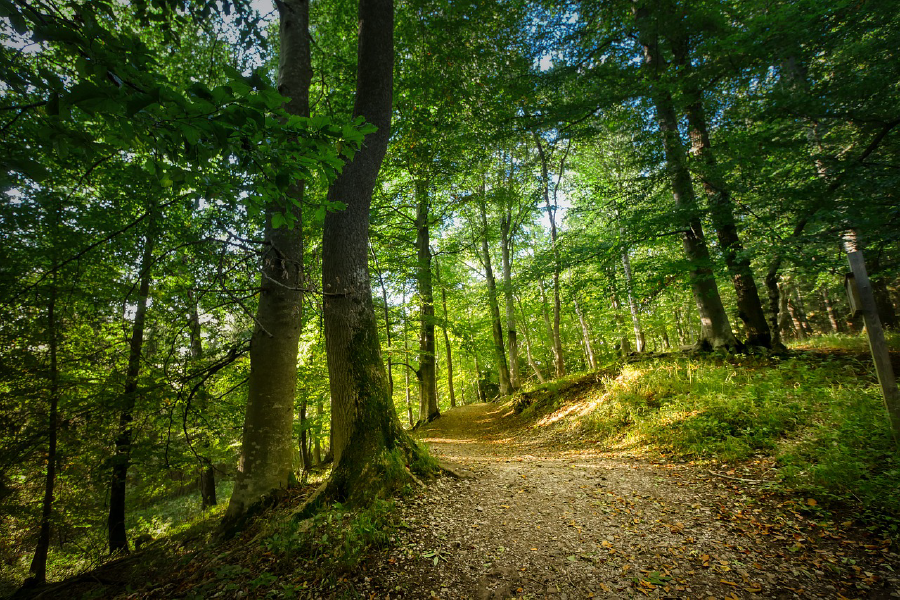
{"x": 749, "y": 305}
{"x": 515, "y": 376}
{"x": 715, "y": 328}
{"x": 38, "y": 567}
{"x": 266, "y": 446}
{"x": 496, "y": 323}
{"x": 118, "y": 536}
{"x": 428, "y": 408}
{"x": 368, "y": 441}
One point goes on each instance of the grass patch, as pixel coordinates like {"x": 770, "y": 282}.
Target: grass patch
{"x": 819, "y": 415}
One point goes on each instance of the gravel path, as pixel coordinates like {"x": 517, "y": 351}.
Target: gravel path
{"x": 528, "y": 520}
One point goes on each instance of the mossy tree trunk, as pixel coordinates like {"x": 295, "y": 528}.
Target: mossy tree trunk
{"x": 366, "y": 435}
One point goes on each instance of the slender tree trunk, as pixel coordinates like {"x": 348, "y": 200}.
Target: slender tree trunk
{"x": 829, "y": 310}
{"x": 551, "y": 215}
{"x": 409, "y": 409}
{"x": 479, "y": 392}
{"x": 624, "y": 345}
{"x": 496, "y": 323}
{"x": 207, "y": 471}
{"x": 525, "y": 335}
{"x": 515, "y": 376}
{"x": 267, "y": 443}
{"x": 545, "y": 312}
{"x": 387, "y": 323}
{"x": 317, "y": 444}
{"x": 585, "y": 332}
{"x": 447, "y": 346}
{"x": 640, "y": 341}
{"x": 118, "y": 536}
{"x": 715, "y": 329}
{"x": 428, "y": 408}
{"x": 38, "y": 567}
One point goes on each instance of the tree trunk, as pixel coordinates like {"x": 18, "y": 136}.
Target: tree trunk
{"x": 624, "y": 345}
{"x": 551, "y": 215}
{"x": 367, "y": 436}
{"x": 829, "y": 310}
{"x": 545, "y": 312}
{"x": 428, "y": 408}
{"x": 118, "y": 536}
{"x": 38, "y": 567}
{"x": 409, "y": 409}
{"x": 387, "y": 323}
{"x": 207, "y": 471}
{"x": 266, "y": 447}
{"x": 749, "y": 305}
{"x": 496, "y": 323}
{"x": 447, "y": 346}
{"x": 515, "y": 376}
{"x": 585, "y": 332}
{"x": 715, "y": 329}
{"x": 640, "y": 341}
{"x": 525, "y": 335}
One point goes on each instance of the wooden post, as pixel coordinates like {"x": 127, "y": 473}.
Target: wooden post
{"x": 875, "y": 333}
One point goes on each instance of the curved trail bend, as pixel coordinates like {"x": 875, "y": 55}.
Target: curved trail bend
{"x": 532, "y": 520}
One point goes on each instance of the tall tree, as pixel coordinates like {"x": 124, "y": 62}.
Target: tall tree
{"x": 366, "y": 433}
{"x": 715, "y": 328}
{"x": 266, "y": 445}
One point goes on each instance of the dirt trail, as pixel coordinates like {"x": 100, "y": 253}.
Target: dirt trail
{"x": 532, "y": 521}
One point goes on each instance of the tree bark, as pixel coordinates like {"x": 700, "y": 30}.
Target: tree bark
{"x": 409, "y": 409}
{"x": 545, "y": 312}
{"x": 829, "y": 310}
{"x": 715, "y": 329}
{"x": 496, "y": 323}
{"x": 387, "y": 323}
{"x": 266, "y": 447}
{"x": 428, "y": 408}
{"x": 117, "y": 535}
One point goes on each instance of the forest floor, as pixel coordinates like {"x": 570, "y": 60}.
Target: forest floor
{"x": 538, "y": 516}
{"x": 539, "y": 509}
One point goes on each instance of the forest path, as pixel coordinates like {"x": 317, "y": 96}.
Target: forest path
{"x": 531, "y": 520}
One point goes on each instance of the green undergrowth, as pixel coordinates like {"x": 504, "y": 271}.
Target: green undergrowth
{"x": 850, "y": 342}
{"x": 818, "y": 415}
